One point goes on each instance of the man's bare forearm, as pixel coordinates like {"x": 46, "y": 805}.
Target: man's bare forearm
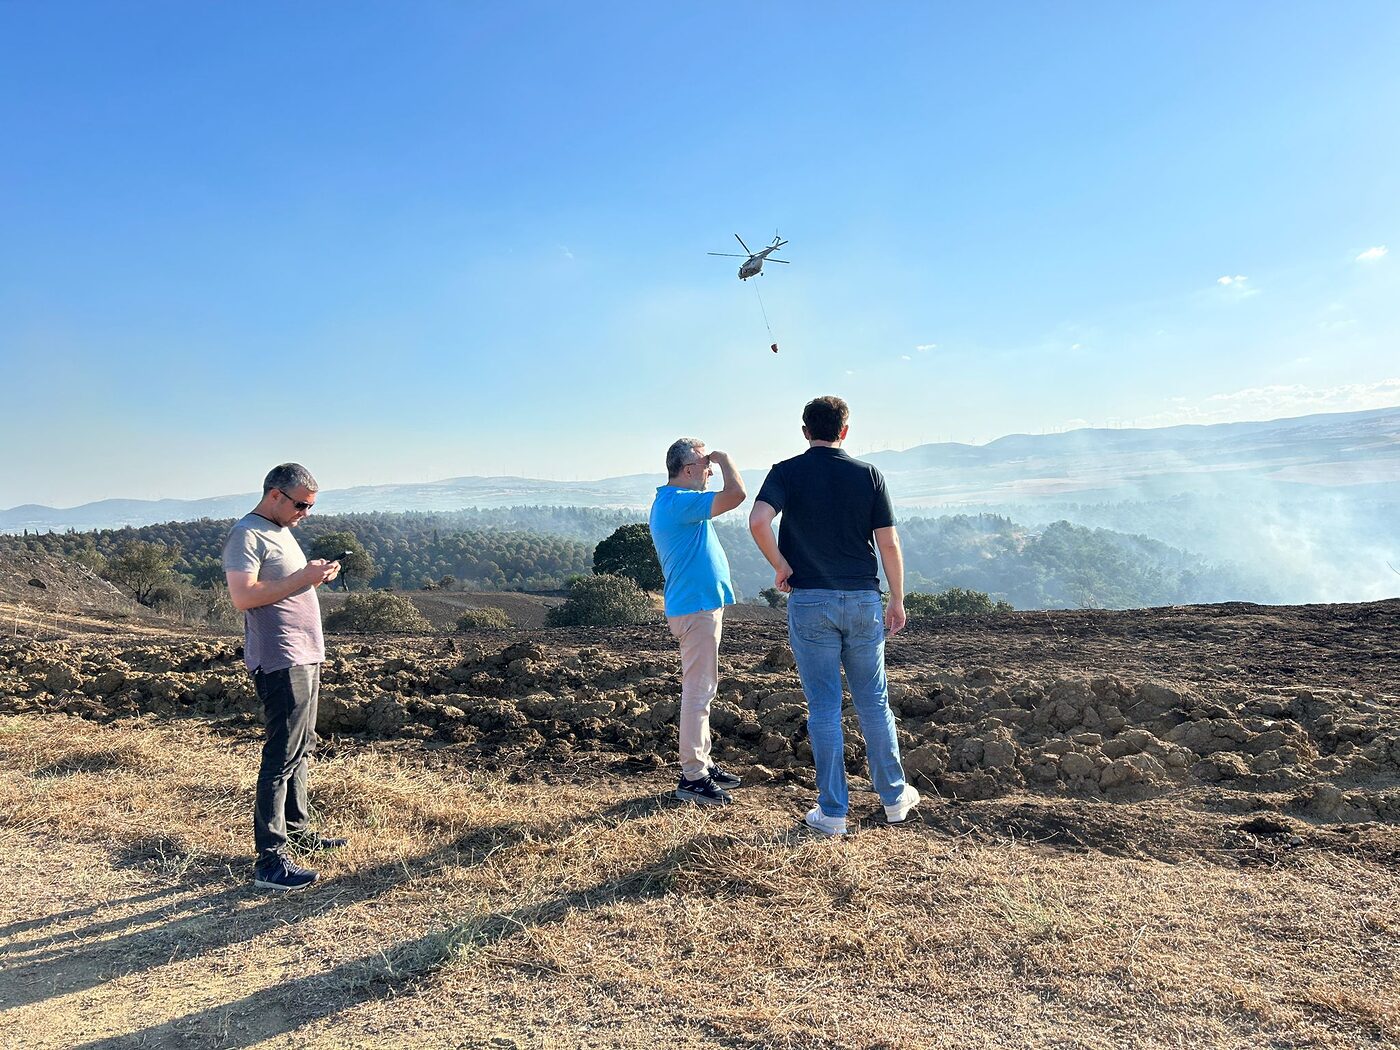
{"x": 767, "y": 543}
{"x": 892, "y": 558}
{"x": 761, "y": 528}
{"x": 247, "y": 593}
{"x": 733, "y": 493}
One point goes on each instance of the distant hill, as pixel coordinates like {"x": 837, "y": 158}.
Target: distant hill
{"x": 1280, "y": 459}
{"x": 1310, "y": 505}
{"x": 1328, "y": 451}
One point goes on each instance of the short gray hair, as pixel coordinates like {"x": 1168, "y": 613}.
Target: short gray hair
{"x": 286, "y": 476}
{"x": 681, "y": 454}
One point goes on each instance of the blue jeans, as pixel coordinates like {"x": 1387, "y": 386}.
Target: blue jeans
{"x": 829, "y": 630}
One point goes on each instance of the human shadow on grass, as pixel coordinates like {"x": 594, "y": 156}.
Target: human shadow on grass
{"x": 59, "y": 918}
{"x": 282, "y": 1008}
{"x": 203, "y": 922}
{"x": 197, "y": 909}
{"x": 158, "y": 858}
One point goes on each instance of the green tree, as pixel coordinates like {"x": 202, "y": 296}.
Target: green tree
{"x": 143, "y": 569}
{"x": 90, "y": 557}
{"x": 206, "y": 572}
{"x": 356, "y": 564}
{"x": 630, "y": 552}
{"x": 602, "y": 601}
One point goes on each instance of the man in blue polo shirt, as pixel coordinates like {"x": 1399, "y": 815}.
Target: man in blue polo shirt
{"x": 697, "y": 590}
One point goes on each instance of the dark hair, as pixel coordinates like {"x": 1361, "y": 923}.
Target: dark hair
{"x": 825, "y": 418}
{"x": 286, "y": 476}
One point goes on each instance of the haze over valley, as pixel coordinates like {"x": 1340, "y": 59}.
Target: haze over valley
{"x": 1294, "y": 510}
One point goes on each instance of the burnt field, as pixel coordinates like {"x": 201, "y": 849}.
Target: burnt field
{"x": 1285, "y": 707}
{"x": 1149, "y": 828}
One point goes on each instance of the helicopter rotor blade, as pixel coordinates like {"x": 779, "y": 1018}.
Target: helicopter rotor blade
{"x": 785, "y": 262}
{"x": 729, "y": 255}
{"x": 741, "y": 243}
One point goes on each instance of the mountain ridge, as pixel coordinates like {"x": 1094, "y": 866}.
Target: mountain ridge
{"x": 1280, "y": 458}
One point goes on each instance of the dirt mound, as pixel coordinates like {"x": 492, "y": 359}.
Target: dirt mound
{"x": 42, "y": 595}
{"x": 1323, "y": 752}
{"x": 51, "y": 582}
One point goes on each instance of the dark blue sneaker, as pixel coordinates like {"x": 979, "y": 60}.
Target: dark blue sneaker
{"x": 704, "y": 791}
{"x": 278, "y": 873}
{"x": 724, "y": 779}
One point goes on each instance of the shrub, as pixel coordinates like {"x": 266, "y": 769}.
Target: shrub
{"x": 602, "y": 601}
{"x": 180, "y": 599}
{"x": 375, "y": 613}
{"x": 775, "y": 598}
{"x": 955, "y": 601}
{"x": 484, "y": 619}
{"x": 630, "y": 552}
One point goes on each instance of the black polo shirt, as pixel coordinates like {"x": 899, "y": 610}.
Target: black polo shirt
{"x": 831, "y": 506}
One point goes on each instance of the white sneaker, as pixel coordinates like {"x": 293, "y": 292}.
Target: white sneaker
{"x": 820, "y": 822}
{"x": 908, "y": 799}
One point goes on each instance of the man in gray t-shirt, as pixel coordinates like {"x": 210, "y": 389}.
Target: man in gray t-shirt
{"x": 272, "y": 583}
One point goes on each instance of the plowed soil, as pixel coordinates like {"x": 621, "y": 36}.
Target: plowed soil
{"x": 1276, "y": 707}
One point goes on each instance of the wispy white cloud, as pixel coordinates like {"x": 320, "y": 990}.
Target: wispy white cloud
{"x": 924, "y": 348}
{"x": 1076, "y": 346}
{"x": 905, "y": 357}
{"x": 1277, "y": 402}
{"x": 1380, "y": 251}
{"x": 564, "y": 251}
{"x": 1236, "y": 285}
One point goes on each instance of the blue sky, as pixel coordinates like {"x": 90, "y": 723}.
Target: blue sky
{"x": 402, "y": 242}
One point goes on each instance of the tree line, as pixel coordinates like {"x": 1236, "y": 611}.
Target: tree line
{"x": 544, "y": 548}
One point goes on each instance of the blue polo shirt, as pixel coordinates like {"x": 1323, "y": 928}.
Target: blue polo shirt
{"x": 693, "y": 562}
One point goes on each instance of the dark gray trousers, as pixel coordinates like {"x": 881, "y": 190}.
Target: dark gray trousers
{"x": 289, "y": 712}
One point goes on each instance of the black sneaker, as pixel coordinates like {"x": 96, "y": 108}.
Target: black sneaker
{"x": 312, "y": 842}
{"x": 278, "y": 873}
{"x": 704, "y": 791}
{"x": 724, "y": 779}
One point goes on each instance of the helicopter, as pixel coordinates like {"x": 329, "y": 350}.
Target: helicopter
{"x": 753, "y": 262}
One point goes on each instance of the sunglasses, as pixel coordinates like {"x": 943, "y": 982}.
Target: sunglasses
{"x": 298, "y": 504}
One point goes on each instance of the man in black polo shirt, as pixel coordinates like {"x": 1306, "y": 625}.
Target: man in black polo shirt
{"x": 835, "y": 513}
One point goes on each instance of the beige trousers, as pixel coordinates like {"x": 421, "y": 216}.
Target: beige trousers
{"x": 698, "y": 634}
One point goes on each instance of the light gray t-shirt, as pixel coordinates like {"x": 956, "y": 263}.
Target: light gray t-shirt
{"x": 286, "y": 633}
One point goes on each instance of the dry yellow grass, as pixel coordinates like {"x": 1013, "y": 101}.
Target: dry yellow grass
{"x": 471, "y": 911}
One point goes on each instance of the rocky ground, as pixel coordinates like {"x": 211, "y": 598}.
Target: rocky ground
{"x": 1287, "y": 709}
